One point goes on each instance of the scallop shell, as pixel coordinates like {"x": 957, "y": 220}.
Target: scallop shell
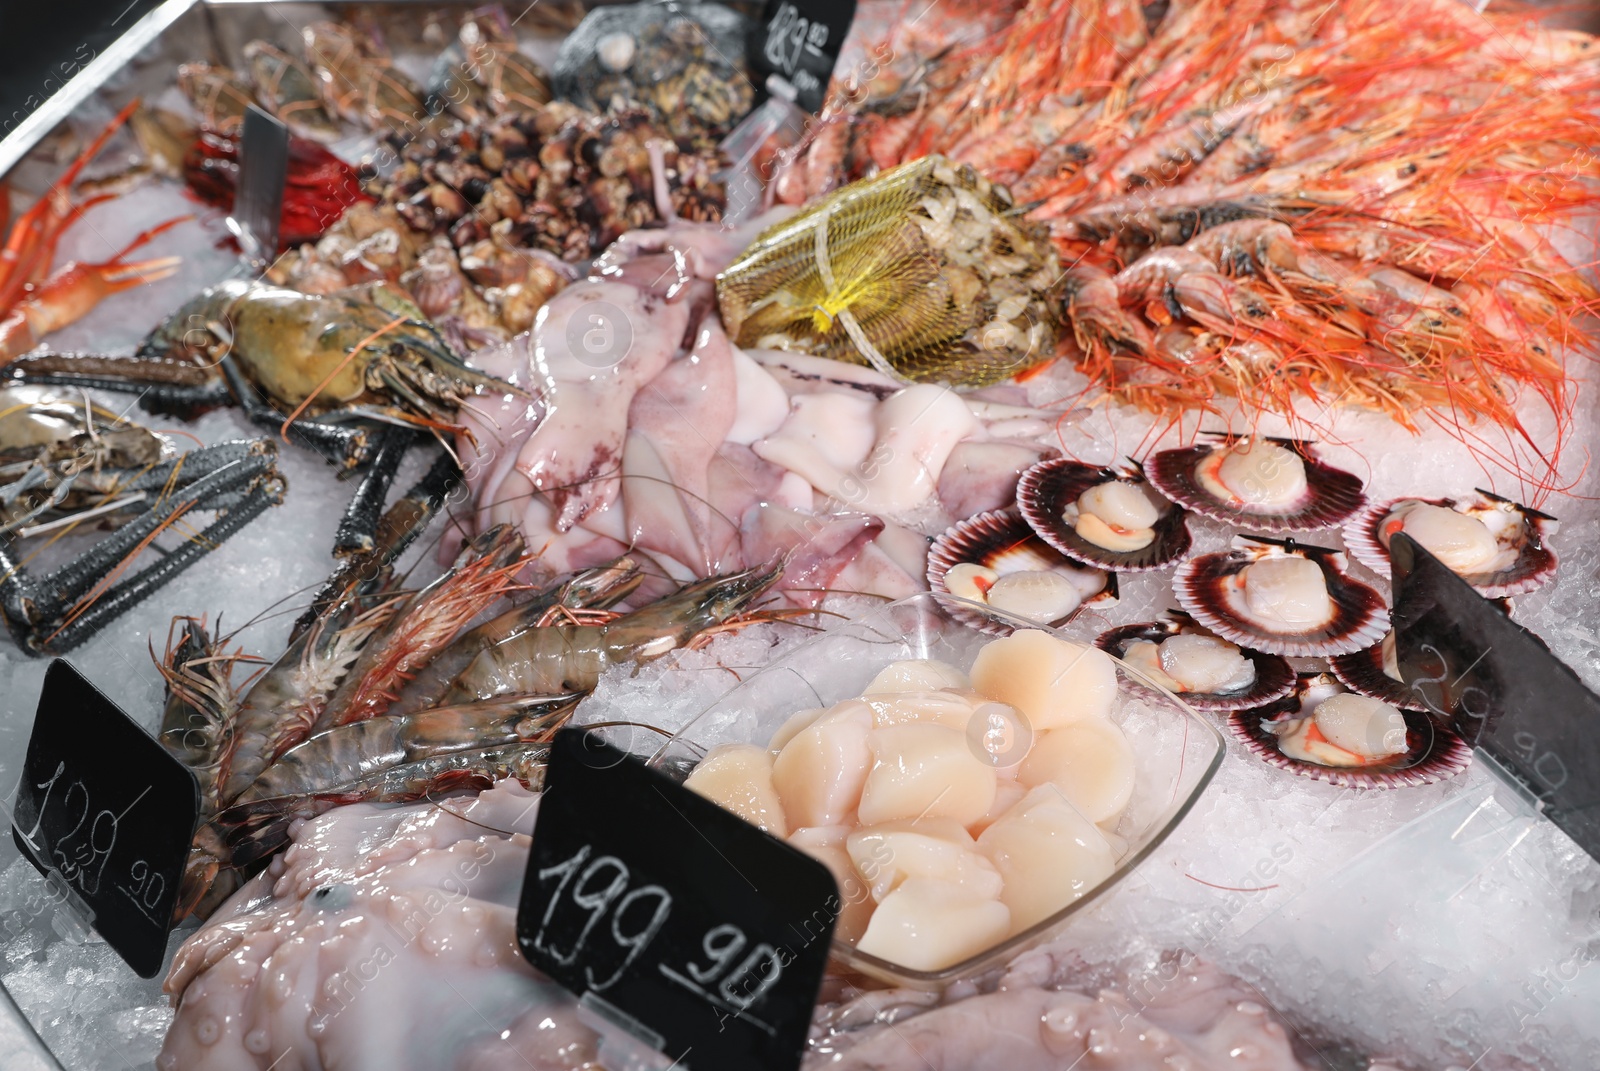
{"x": 1051, "y": 487}
{"x": 1205, "y": 587}
{"x": 1274, "y": 676}
{"x": 1435, "y": 752}
{"x": 1362, "y": 672}
{"x": 1332, "y": 495}
{"x": 1535, "y": 563}
{"x": 1002, "y": 540}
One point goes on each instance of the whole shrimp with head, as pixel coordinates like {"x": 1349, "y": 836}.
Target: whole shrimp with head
{"x": 391, "y": 696}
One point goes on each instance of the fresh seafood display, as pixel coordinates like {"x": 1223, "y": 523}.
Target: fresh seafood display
{"x": 922, "y": 272}
{"x": 995, "y": 559}
{"x": 34, "y": 300}
{"x": 424, "y": 893}
{"x": 1326, "y": 732}
{"x": 1499, "y": 547}
{"x": 1281, "y": 597}
{"x": 1337, "y": 204}
{"x": 68, "y": 464}
{"x": 944, "y": 849}
{"x": 1047, "y": 403}
{"x": 653, "y": 431}
{"x": 389, "y": 697}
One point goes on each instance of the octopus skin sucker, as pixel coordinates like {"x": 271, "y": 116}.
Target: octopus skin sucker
{"x": 1260, "y": 482}
{"x": 1103, "y": 517}
{"x": 995, "y": 559}
{"x": 1281, "y": 597}
{"x": 1500, "y": 547}
{"x": 1271, "y": 677}
{"x": 1427, "y": 753}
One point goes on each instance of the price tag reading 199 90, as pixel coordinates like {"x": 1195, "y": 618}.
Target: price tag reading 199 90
{"x": 705, "y": 936}
{"x": 106, "y": 814}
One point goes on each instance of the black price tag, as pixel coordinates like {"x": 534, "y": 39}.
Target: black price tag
{"x": 671, "y": 918}
{"x": 106, "y": 814}
{"x": 799, "y": 41}
{"x": 1500, "y": 688}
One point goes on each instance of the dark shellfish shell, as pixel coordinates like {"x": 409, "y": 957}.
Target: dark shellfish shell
{"x": 1534, "y": 566}
{"x": 1274, "y": 676}
{"x": 1362, "y": 672}
{"x": 1331, "y": 496}
{"x": 1048, "y": 488}
{"x": 1433, "y": 752}
{"x": 1002, "y": 540}
{"x": 1205, "y": 586}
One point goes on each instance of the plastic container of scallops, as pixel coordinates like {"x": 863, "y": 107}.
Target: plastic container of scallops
{"x": 970, "y": 793}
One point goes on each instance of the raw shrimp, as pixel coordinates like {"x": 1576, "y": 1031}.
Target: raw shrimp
{"x": 424, "y": 625}
{"x": 561, "y": 658}
{"x": 591, "y": 589}
{"x": 34, "y": 301}
{"x": 285, "y": 701}
{"x": 340, "y": 755}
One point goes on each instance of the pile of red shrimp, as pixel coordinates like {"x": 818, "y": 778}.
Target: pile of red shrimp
{"x": 1272, "y": 200}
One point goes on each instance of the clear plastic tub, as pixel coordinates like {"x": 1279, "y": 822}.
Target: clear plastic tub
{"x": 1177, "y": 751}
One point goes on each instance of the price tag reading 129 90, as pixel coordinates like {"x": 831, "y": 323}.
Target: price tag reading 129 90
{"x": 106, "y": 814}
{"x": 706, "y": 936}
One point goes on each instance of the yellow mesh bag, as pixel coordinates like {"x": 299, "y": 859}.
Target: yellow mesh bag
{"x": 920, "y": 272}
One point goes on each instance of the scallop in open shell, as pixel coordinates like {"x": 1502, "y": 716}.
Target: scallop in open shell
{"x": 1375, "y": 671}
{"x": 1324, "y": 731}
{"x": 994, "y": 558}
{"x": 1281, "y": 597}
{"x": 1498, "y": 546}
{"x": 1204, "y": 670}
{"x": 1102, "y": 517}
{"x": 1372, "y": 671}
{"x": 1257, "y": 481}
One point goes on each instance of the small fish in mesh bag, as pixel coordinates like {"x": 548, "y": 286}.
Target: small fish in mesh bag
{"x": 925, "y": 272}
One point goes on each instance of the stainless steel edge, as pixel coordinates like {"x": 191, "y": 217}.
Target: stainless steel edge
{"x": 85, "y": 82}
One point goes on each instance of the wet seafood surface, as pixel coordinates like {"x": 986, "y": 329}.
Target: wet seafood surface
{"x": 705, "y": 455}
{"x": 944, "y": 846}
